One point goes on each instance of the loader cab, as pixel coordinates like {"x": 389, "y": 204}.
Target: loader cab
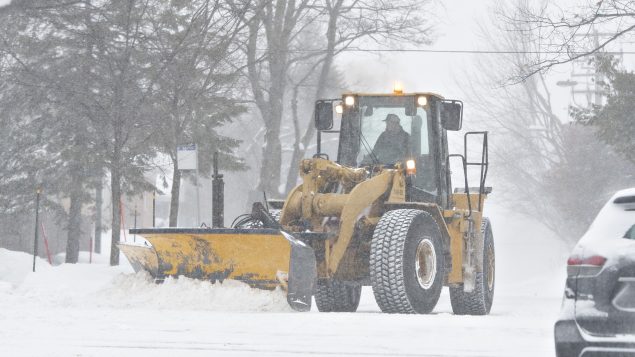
{"x": 381, "y": 130}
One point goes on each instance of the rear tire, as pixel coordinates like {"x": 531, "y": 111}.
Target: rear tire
{"x": 479, "y": 301}
{"x": 337, "y": 296}
{"x": 407, "y": 262}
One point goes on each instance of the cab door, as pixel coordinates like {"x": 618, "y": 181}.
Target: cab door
{"x": 429, "y": 150}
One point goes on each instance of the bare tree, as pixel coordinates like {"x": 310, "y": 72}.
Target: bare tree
{"x": 275, "y": 47}
{"x": 273, "y": 27}
{"x": 543, "y": 159}
{"x": 567, "y": 34}
{"x": 352, "y": 22}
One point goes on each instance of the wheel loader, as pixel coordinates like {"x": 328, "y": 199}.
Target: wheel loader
{"x": 381, "y": 213}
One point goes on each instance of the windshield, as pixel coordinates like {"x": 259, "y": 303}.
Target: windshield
{"x": 392, "y": 129}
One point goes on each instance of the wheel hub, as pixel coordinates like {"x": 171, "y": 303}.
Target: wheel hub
{"x": 426, "y": 264}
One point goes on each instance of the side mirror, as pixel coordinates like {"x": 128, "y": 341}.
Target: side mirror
{"x": 451, "y": 114}
{"x": 323, "y": 115}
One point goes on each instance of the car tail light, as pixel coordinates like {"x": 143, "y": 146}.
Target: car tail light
{"x": 594, "y": 260}
{"x": 582, "y": 266}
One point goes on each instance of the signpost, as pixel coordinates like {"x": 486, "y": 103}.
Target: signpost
{"x": 187, "y": 159}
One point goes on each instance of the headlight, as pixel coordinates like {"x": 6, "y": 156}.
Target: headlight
{"x": 349, "y": 100}
{"x": 422, "y": 101}
{"x": 411, "y": 167}
{"x": 339, "y": 109}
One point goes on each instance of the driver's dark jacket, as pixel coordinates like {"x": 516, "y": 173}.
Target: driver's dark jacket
{"x": 392, "y": 146}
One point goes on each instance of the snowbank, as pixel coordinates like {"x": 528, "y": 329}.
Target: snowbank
{"x": 15, "y": 266}
{"x": 139, "y": 290}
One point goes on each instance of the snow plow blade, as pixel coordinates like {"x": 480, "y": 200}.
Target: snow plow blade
{"x": 263, "y": 258}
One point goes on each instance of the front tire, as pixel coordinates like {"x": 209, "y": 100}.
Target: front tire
{"x": 479, "y": 301}
{"x": 337, "y": 296}
{"x": 406, "y": 262}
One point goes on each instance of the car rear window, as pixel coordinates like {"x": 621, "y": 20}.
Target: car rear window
{"x": 630, "y": 234}
{"x": 624, "y": 199}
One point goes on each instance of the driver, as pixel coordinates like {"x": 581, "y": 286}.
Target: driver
{"x": 392, "y": 144}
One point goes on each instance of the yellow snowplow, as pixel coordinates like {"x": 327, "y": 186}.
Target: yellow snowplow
{"x": 382, "y": 214}
{"x": 215, "y": 256}
{"x": 260, "y": 257}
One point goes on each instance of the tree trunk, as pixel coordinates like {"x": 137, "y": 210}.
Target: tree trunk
{"x": 295, "y": 158}
{"x": 271, "y": 161}
{"x": 115, "y": 183}
{"x": 272, "y": 152}
{"x": 300, "y": 150}
{"x": 74, "y": 221}
{"x": 98, "y": 208}
{"x": 174, "y": 200}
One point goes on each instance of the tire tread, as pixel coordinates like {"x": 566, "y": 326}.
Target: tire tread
{"x": 335, "y": 296}
{"x": 386, "y": 261}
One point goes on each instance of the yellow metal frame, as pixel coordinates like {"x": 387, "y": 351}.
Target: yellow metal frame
{"x": 365, "y": 200}
{"x": 215, "y": 256}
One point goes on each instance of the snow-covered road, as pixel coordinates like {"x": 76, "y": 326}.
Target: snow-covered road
{"x": 96, "y": 310}
{"x": 518, "y": 326}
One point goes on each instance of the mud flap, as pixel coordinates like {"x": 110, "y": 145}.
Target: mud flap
{"x": 302, "y": 274}
{"x": 474, "y": 262}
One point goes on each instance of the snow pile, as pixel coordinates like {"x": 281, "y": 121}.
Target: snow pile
{"x": 139, "y": 290}
{"x": 15, "y": 266}
{"x": 67, "y": 285}
{"x": 100, "y": 285}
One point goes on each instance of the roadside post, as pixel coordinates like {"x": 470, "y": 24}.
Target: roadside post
{"x": 38, "y": 191}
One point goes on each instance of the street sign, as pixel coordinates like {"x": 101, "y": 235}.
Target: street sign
{"x": 187, "y": 157}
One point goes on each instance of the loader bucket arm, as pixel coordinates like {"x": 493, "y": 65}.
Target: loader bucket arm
{"x": 309, "y": 203}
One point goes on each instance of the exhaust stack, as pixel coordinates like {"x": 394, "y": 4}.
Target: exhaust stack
{"x": 218, "y": 197}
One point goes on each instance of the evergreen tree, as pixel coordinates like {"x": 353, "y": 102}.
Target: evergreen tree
{"x": 615, "y": 120}
{"x": 195, "y": 95}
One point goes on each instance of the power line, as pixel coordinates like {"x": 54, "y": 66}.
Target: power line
{"x": 465, "y": 51}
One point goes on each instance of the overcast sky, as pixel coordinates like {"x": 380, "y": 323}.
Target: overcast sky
{"x": 454, "y": 29}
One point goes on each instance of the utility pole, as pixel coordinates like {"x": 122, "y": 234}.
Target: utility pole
{"x": 588, "y": 75}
